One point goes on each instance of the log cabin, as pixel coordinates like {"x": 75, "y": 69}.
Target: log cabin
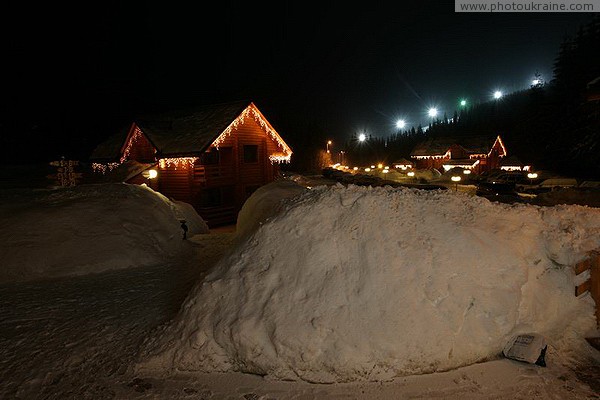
{"x": 477, "y": 153}
{"x": 212, "y": 157}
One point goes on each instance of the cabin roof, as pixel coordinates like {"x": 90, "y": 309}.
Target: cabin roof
{"x": 180, "y": 132}
{"x": 474, "y": 144}
{"x": 189, "y": 131}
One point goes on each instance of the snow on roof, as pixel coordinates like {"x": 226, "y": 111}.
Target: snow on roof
{"x": 474, "y": 144}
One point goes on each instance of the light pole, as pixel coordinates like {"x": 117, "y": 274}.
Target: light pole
{"x": 328, "y": 144}
{"x": 456, "y": 179}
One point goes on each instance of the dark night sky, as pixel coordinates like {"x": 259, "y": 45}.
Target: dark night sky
{"x": 74, "y": 75}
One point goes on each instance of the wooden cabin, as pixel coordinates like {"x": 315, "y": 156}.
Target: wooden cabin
{"x": 476, "y": 153}
{"x": 211, "y": 157}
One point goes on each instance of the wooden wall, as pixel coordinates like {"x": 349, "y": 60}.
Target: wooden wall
{"x": 234, "y": 179}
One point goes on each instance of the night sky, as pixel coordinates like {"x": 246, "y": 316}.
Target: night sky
{"x": 75, "y": 75}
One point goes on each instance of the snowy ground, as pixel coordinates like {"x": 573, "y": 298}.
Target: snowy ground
{"x": 78, "y": 337}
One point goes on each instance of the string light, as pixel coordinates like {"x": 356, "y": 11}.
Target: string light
{"x": 251, "y": 110}
{"x": 176, "y": 162}
{"x": 99, "y": 167}
{"x": 137, "y": 133}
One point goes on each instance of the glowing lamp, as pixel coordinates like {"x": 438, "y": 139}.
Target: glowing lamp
{"x": 432, "y": 112}
{"x": 362, "y": 137}
{"x": 411, "y": 173}
{"x": 532, "y": 175}
{"x": 455, "y": 178}
{"x": 380, "y": 165}
{"x": 367, "y": 169}
{"x": 497, "y": 94}
{"x": 463, "y": 103}
{"x": 400, "y": 124}
{"x": 150, "y": 174}
{"x": 467, "y": 171}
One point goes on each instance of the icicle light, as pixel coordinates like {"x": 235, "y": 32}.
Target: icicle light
{"x": 99, "y": 167}
{"x": 134, "y": 136}
{"x": 446, "y": 155}
{"x": 177, "y": 162}
{"x": 251, "y": 110}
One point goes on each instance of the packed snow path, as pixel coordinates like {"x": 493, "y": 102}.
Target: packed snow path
{"x": 75, "y": 337}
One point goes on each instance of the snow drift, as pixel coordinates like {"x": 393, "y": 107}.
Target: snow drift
{"x": 87, "y": 229}
{"x": 360, "y": 283}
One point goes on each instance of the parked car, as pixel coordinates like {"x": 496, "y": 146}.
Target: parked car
{"x": 503, "y": 192}
{"x": 546, "y": 185}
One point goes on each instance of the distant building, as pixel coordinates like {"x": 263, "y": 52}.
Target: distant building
{"x": 476, "y": 153}
{"x": 403, "y": 164}
{"x": 513, "y": 163}
{"x": 211, "y": 157}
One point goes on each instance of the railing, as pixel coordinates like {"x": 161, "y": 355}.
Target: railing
{"x": 591, "y": 267}
{"x": 204, "y": 173}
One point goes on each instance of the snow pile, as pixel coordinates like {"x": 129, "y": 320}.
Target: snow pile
{"x": 361, "y": 283}
{"x": 264, "y": 203}
{"x": 87, "y": 229}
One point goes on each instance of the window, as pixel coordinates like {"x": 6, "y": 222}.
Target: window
{"x": 226, "y": 155}
{"x": 250, "y": 153}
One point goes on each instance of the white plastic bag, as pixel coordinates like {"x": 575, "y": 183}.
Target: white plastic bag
{"x": 527, "y": 347}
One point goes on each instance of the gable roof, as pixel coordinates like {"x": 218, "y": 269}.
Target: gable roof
{"x": 184, "y": 132}
{"x": 189, "y": 131}
{"x": 474, "y": 144}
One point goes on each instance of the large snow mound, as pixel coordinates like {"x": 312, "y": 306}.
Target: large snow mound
{"x": 265, "y": 202}
{"x": 87, "y": 229}
{"x": 360, "y": 283}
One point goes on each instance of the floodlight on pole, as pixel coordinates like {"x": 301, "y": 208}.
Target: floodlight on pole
{"x": 432, "y": 112}
{"x": 400, "y": 124}
{"x": 463, "y": 103}
{"x": 497, "y": 94}
{"x": 362, "y": 137}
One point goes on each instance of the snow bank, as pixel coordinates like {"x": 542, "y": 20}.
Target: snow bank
{"x": 360, "y": 283}
{"x": 265, "y": 202}
{"x": 88, "y": 228}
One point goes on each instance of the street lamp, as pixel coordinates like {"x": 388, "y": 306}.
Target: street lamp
{"x": 432, "y": 112}
{"x": 362, "y": 137}
{"x": 463, "y": 103}
{"x": 497, "y": 94}
{"x": 400, "y": 124}
{"x": 532, "y": 176}
{"x": 455, "y": 179}
{"x": 328, "y": 144}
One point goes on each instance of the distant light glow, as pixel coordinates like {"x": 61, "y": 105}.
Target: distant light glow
{"x": 455, "y": 178}
{"x": 432, "y": 112}
{"x": 532, "y": 175}
{"x": 400, "y": 124}
{"x": 498, "y": 94}
{"x": 536, "y": 82}
{"x": 411, "y": 173}
{"x": 463, "y": 102}
{"x": 362, "y": 137}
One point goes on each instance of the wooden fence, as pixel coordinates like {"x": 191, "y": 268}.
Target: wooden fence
{"x": 592, "y": 284}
